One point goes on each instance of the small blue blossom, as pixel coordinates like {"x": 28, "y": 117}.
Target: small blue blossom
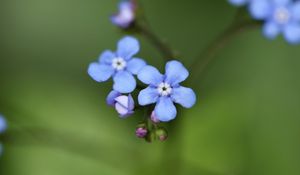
{"x": 164, "y": 90}
{"x": 120, "y": 65}
{"x": 123, "y": 104}
{"x": 280, "y": 16}
{"x": 239, "y": 2}
{"x": 3, "y": 127}
{"x": 126, "y": 15}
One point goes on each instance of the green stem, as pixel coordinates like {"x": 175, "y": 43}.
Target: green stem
{"x": 220, "y": 42}
{"x": 159, "y": 44}
{"x": 143, "y": 27}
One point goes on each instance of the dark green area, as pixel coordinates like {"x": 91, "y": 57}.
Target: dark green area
{"x": 246, "y": 121}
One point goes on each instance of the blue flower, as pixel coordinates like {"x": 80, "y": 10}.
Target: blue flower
{"x": 123, "y": 104}
{"x": 120, "y": 65}
{"x": 280, "y": 16}
{"x": 239, "y": 2}
{"x": 3, "y": 126}
{"x": 164, "y": 90}
{"x": 126, "y": 15}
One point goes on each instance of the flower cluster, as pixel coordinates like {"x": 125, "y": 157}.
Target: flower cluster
{"x": 163, "y": 90}
{"x": 3, "y": 126}
{"x": 160, "y": 92}
{"x": 279, "y": 17}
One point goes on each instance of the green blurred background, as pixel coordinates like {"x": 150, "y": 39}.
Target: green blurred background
{"x": 246, "y": 121}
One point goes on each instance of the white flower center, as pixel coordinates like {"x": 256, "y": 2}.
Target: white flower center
{"x": 119, "y": 63}
{"x": 282, "y": 15}
{"x": 164, "y": 89}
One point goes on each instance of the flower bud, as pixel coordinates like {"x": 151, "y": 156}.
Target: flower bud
{"x": 154, "y": 118}
{"x": 141, "y": 132}
{"x": 124, "y": 104}
{"x": 126, "y": 15}
{"x": 161, "y": 134}
{"x": 110, "y": 99}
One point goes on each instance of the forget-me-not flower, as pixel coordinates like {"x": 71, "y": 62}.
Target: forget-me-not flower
{"x": 126, "y": 15}
{"x": 164, "y": 90}
{"x": 280, "y": 16}
{"x": 3, "y": 126}
{"x": 121, "y": 65}
{"x": 124, "y": 104}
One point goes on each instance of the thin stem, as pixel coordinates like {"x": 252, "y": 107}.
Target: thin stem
{"x": 143, "y": 26}
{"x": 159, "y": 44}
{"x": 220, "y": 42}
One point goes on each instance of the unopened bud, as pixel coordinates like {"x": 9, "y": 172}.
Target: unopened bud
{"x": 141, "y": 132}
{"x": 154, "y": 118}
{"x": 161, "y": 134}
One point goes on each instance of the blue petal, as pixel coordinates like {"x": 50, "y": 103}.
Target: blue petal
{"x": 292, "y": 33}
{"x": 135, "y": 65}
{"x": 106, "y": 57}
{"x": 260, "y": 9}
{"x": 238, "y": 2}
{"x": 165, "y": 109}
{"x": 124, "y": 82}
{"x": 130, "y": 102}
{"x": 271, "y": 30}
{"x": 148, "y": 96}
{"x": 150, "y": 75}
{"x": 110, "y": 99}
{"x": 3, "y": 124}
{"x": 175, "y": 72}
{"x": 127, "y": 47}
{"x": 184, "y": 96}
{"x": 125, "y": 5}
{"x": 296, "y": 10}
{"x": 100, "y": 72}
{"x": 282, "y": 2}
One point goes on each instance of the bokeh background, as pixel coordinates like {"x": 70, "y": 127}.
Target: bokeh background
{"x": 246, "y": 121}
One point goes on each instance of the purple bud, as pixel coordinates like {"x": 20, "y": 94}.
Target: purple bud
{"x": 124, "y": 105}
{"x": 154, "y": 118}
{"x": 126, "y": 15}
{"x": 141, "y": 132}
